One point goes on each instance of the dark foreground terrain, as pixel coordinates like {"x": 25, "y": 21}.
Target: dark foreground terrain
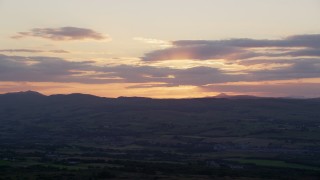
{"x": 86, "y": 137}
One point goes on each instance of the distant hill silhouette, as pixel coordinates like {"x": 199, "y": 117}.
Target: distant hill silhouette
{"x": 35, "y": 94}
{"x": 22, "y": 94}
{"x": 226, "y": 96}
{"x": 221, "y": 102}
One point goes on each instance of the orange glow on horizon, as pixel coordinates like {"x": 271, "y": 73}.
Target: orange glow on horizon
{"x": 152, "y": 90}
{"x": 107, "y": 90}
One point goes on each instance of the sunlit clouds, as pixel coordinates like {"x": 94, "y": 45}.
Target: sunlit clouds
{"x": 218, "y": 69}
{"x": 158, "y": 42}
{"x": 161, "y": 49}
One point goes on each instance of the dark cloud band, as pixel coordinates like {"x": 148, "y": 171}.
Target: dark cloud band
{"x": 237, "y": 49}
{"x": 49, "y": 69}
{"x": 63, "y": 34}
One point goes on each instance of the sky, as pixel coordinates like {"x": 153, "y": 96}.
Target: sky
{"x": 161, "y": 49}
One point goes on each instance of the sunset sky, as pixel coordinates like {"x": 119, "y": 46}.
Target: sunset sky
{"x": 161, "y": 48}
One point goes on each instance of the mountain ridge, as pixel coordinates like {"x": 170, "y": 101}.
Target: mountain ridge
{"x": 219, "y": 96}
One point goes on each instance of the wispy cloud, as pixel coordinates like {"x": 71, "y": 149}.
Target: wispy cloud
{"x": 59, "y": 51}
{"x": 161, "y": 43}
{"x": 32, "y": 51}
{"x": 21, "y": 50}
{"x": 63, "y": 34}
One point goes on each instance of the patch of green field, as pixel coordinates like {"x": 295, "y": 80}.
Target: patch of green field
{"x": 77, "y": 167}
{"x": 35, "y": 163}
{"x": 4, "y": 163}
{"x": 275, "y": 163}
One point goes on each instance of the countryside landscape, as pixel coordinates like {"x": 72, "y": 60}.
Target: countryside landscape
{"x": 80, "y": 136}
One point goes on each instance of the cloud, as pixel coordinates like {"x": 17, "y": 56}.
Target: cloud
{"x": 298, "y": 69}
{"x": 304, "y": 52}
{"x": 32, "y": 51}
{"x": 159, "y": 42}
{"x": 244, "y": 60}
{"x": 200, "y": 52}
{"x": 237, "y": 49}
{"x": 59, "y": 51}
{"x": 39, "y": 69}
{"x": 63, "y": 34}
{"x": 199, "y": 76}
{"x": 280, "y": 60}
{"x": 50, "y": 69}
{"x": 21, "y": 50}
{"x": 306, "y": 40}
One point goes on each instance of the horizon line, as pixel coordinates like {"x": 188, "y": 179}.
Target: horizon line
{"x": 219, "y": 96}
